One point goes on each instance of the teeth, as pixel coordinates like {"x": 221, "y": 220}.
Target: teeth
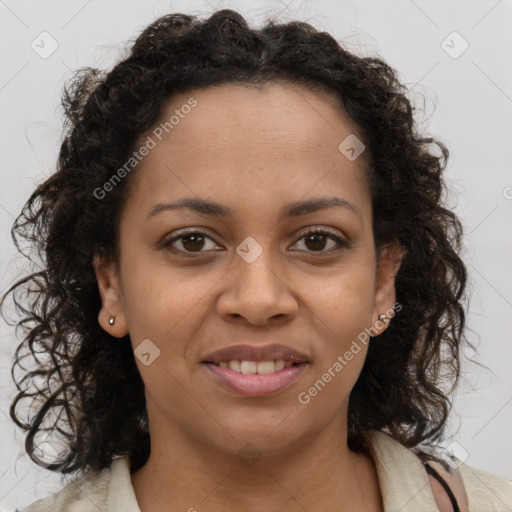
{"x": 253, "y": 367}
{"x": 279, "y": 365}
{"x": 266, "y": 367}
{"x": 247, "y": 367}
{"x": 234, "y": 365}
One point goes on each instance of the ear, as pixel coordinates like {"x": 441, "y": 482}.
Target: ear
{"x": 111, "y": 297}
{"x": 391, "y": 256}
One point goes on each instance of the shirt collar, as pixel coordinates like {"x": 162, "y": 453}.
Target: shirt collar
{"x": 403, "y": 480}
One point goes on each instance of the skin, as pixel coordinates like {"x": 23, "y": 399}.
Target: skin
{"x": 253, "y": 150}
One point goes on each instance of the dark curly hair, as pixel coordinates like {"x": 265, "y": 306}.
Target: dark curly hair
{"x": 84, "y": 384}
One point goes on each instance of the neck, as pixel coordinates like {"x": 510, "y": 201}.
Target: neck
{"x": 320, "y": 473}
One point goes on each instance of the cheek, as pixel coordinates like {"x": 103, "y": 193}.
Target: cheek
{"x": 343, "y": 307}
{"x": 345, "y": 300}
{"x": 161, "y": 302}
{"x": 344, "y": 315}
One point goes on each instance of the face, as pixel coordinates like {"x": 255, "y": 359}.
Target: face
{"x": 192, "y": 282}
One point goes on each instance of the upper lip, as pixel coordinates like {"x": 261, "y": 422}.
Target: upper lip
{"x": 256, "y": 353}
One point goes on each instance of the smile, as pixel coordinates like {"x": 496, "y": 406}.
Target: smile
{"x": 255, "y": 378}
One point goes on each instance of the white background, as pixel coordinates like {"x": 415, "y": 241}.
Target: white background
{"x": 469, "y": 103}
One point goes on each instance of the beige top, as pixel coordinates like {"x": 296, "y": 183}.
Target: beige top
{"x": 404, "y": 484}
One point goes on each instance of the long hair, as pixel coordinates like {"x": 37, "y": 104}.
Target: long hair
{"x": 83, "y": 383}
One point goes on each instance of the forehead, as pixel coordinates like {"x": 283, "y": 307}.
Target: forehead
{"x": 278, "y": 138}
{"x": 265, "y": 115}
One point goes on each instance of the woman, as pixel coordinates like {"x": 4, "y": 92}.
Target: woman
{"x": 251, "y": 296}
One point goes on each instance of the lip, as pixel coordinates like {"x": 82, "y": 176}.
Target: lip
{"x": 256, "y": 353}
{"x": 255, "y": 385}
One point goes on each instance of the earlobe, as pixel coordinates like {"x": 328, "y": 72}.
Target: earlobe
{"x": 111, "y": 316}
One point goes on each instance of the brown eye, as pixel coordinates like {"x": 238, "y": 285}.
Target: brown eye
{"x": 316, "y": 241}
{"x": 192, "y": 241}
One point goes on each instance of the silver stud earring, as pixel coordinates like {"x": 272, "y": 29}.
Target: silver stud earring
{"x": 384, "y": 318}
{"x": 111, "y": 320}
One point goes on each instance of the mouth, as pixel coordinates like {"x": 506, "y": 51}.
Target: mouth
{"x": 255, "y": 384}
{"x": 256, "y": 371}
{"x": 255, "y": 367}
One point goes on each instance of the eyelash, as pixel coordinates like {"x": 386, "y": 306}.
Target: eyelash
{"x": 197, "y": 231}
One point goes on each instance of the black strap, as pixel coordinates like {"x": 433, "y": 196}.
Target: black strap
{"x": 437, "y": 476}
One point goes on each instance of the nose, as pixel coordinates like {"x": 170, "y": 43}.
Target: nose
{"x": 258, "y": 292}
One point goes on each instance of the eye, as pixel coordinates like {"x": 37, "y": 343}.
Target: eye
{"x": 316, "y": 239}
{"x": 191, "y": 241}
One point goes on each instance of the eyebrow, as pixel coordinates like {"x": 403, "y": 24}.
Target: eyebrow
{"x": 212, "y": 209}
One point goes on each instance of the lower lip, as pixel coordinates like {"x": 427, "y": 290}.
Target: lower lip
{"x": 253, "y": 385}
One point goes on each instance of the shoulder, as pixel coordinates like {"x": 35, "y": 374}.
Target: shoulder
{"x": 78, "y": 494}
{"x": 473, "y": 488}
{"x": 486, "y": 491}
{"x": 106, "y": 490}
{"x": 402, "y": 470}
